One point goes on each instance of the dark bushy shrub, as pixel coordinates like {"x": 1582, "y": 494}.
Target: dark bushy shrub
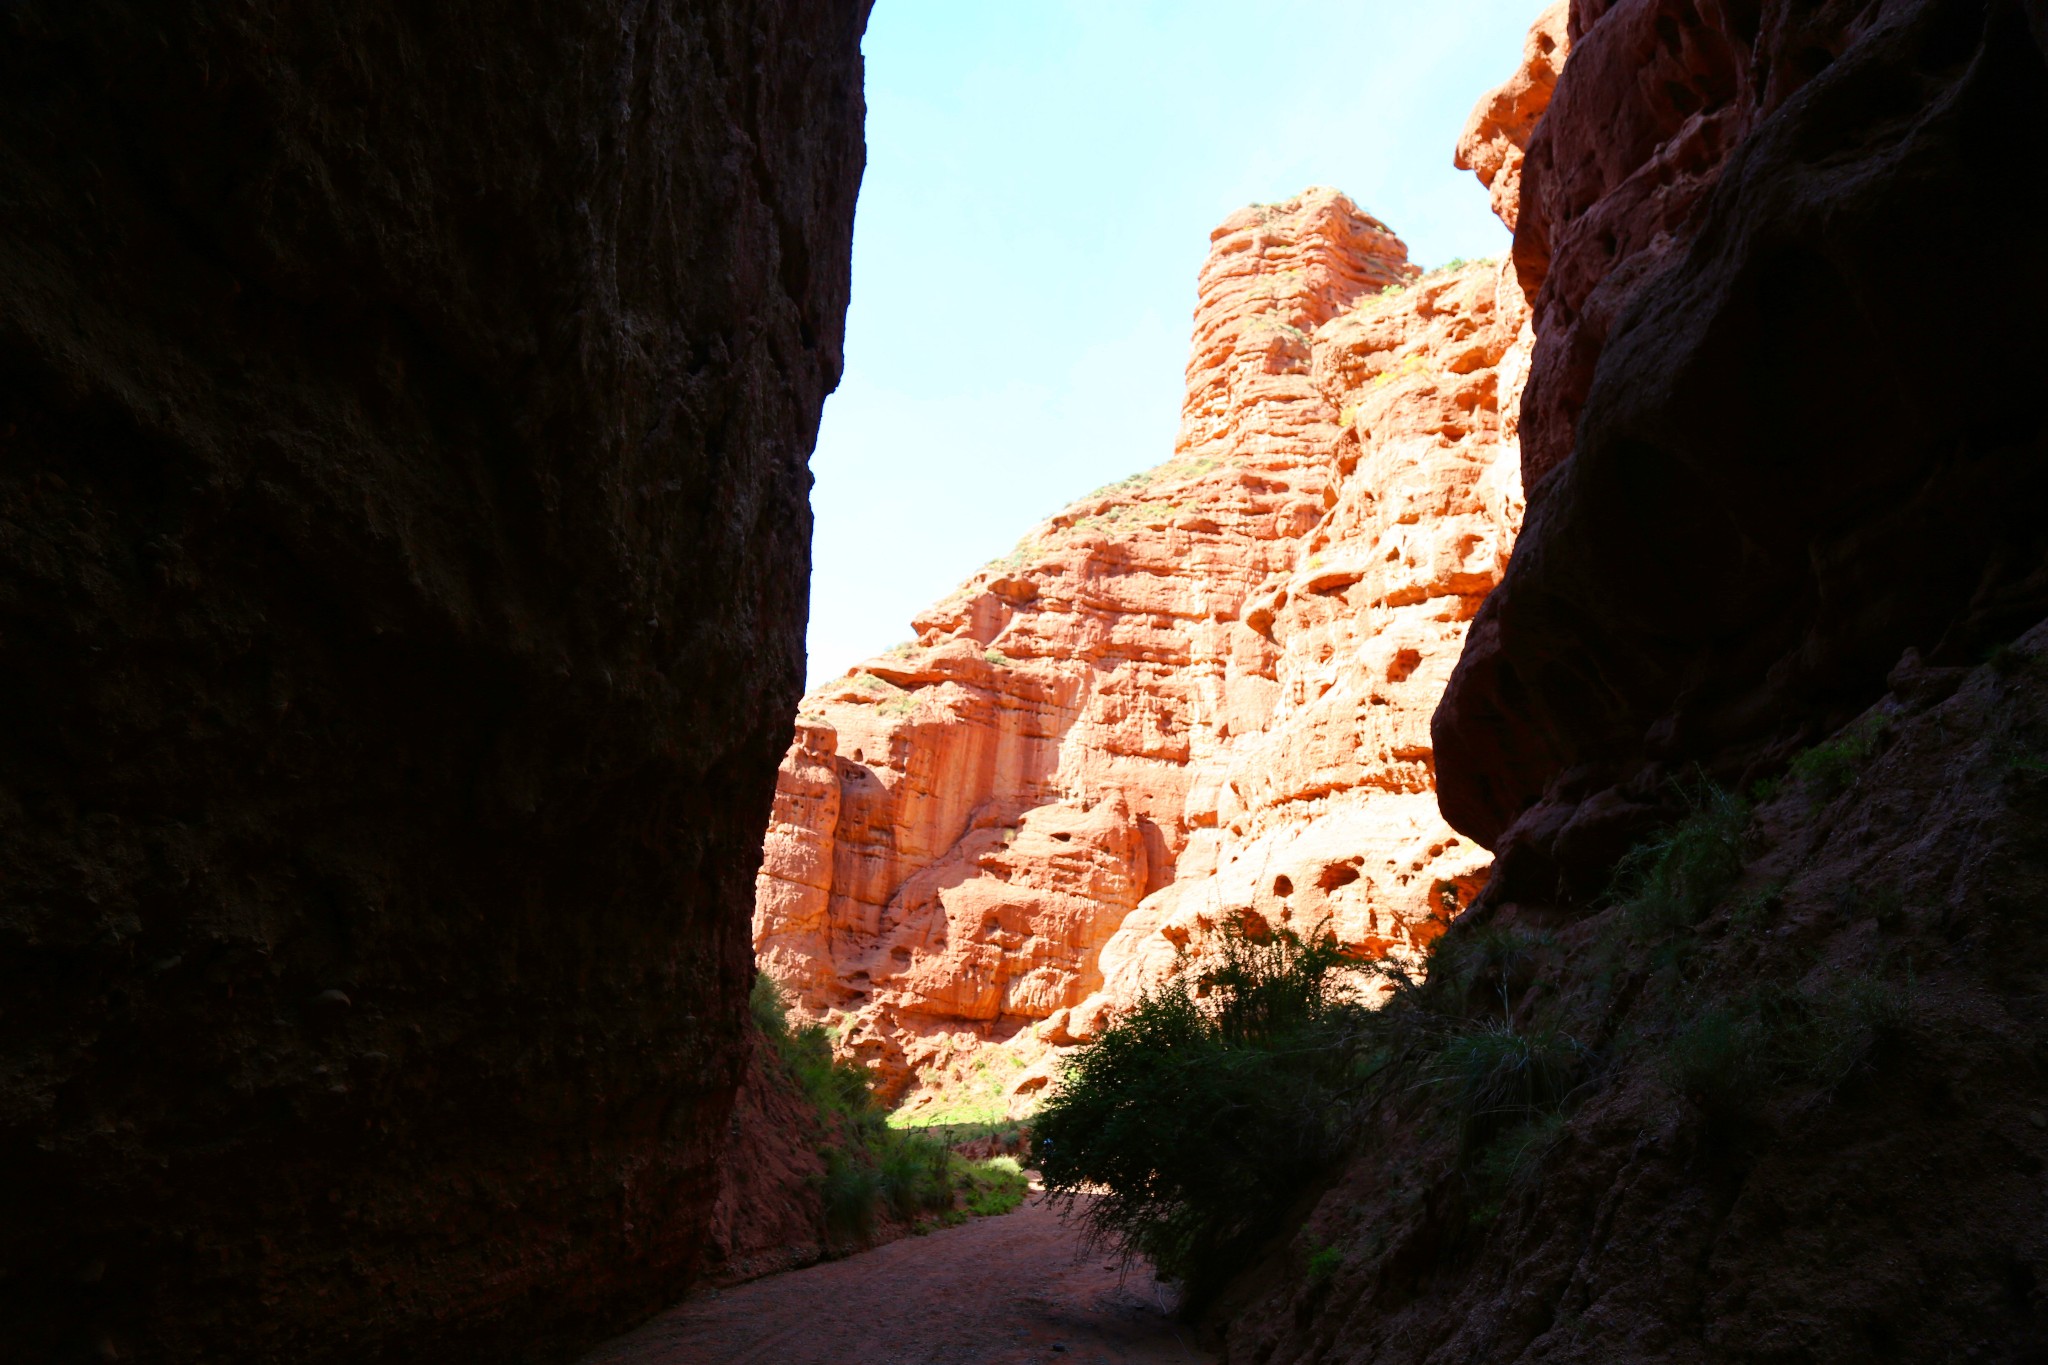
{"x": 1186, "y": 1131}
{"x": 1728, "y": 1055}
{"x": 1202, "y": 1113}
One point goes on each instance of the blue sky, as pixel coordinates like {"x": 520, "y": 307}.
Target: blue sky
{"x": 1041, "y": 181}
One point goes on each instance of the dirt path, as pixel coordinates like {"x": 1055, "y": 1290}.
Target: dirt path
{"x": 994, "y": 1291}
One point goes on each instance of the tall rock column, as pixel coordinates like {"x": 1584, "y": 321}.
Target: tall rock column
{"x": 1200, "y": 694}
{"x": 1013, "y": 782}
{"x": 403, "y": 539}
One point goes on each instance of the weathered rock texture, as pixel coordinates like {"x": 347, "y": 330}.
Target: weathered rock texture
{"x": 1496, "y": 137}
{"x": 403, "y": 540}
{"x": 1771, "y": 482}
{"x": 770, "y": 1211}
{"x": 1198, "y": 694}
{"x": 1761, "y": 462}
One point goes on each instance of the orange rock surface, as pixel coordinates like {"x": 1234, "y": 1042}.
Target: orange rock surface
{"x": 1498, "y": 131}
{"x": 1200, "y": 693}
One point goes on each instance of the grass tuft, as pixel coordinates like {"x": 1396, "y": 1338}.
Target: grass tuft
{"x": 1730, "y": 1054}
{"x": 871, "y": 1168}
{"x": 991, "y": 1187}
{"x": 1668, "y": 882}
{"x": 1830, "y": 767}
{"x": 1497, "y": 1076}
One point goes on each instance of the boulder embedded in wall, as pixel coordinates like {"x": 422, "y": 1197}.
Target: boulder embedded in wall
{"x": 403, "y": 537}
{"x": 1792, "y": 463}
{"x": 1192, "y": 685}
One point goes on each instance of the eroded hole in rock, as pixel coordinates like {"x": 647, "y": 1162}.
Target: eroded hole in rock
{"x": 1336, "y": 875}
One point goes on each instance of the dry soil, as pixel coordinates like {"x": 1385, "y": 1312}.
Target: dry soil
{"x": 990, "y": 1292}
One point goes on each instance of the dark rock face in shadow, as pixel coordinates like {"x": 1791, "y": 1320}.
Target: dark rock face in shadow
{"x": 1777, "y": 429}
{"x": 404, "y": 416}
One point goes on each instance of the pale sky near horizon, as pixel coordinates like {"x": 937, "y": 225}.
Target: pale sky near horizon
{"x": 1041, "y": 180}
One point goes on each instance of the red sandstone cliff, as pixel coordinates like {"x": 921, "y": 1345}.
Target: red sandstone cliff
{"x": 1200, "y": 693}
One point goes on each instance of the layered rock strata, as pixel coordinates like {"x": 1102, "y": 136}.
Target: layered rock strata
{"x": 1198, "y": 695}
{"x": 1759, "y": 466}
{"x": 403, "y": 539}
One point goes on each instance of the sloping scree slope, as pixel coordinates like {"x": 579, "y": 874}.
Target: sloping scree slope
{"x": 1863, "y": 1181}
{"x": 403, "y": 540}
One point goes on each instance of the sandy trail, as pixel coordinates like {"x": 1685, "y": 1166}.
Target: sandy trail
{"x": 989, "y": 1292}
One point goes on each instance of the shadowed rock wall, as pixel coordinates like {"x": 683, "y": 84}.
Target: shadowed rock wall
{"x": 403, "y": 544}
{"x": 1770, "y": 434}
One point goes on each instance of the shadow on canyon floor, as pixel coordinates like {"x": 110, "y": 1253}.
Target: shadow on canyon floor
{"x": 998, "y": 1290}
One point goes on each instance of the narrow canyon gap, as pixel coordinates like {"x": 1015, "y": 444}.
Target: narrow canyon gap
{"x": 1782, "y": 559}
{"x": 1198, "y": 696}
{"x": 404, "y": 416}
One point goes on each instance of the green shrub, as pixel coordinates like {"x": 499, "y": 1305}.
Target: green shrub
{"x": 1022, "y": 553}
{"x": 2020, "y": 761}
{"x": 850, "y": 1188}
{"x": 1829, "y": 767}
{"x": 1498, "y": 1076}
{"x": 1668, "y": 882}
{"x": 1510, "y": 1161}
{"x": 837, "y": 1089}
{"x": 2008, "y": 658}
{"x": 1485, "y": 960}
{"x": 1198, "y": 1116}
{"x": 1129, "y": 483}
{"x": 915, "y": 1175}
{"x": 1729, "y": 1055}
{"x": 868, "y": 1165}
{"x": 990, "y": 1187}
{"x": 770, "y": 1010}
